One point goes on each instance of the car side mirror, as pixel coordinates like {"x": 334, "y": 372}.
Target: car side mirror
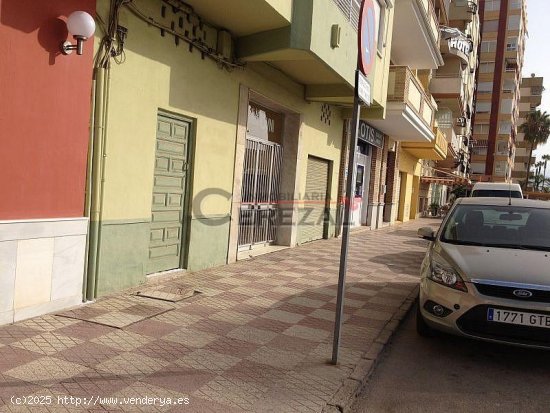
{"x": 427, "y": 233}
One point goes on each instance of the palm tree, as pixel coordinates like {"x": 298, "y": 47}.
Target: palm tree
{"x": 538, "y": 177}
{"x": 537, "y": 130}
{"x": 545, "y": 158}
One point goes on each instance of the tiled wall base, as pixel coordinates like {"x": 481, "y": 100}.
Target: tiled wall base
{"x": 41, "y": 266}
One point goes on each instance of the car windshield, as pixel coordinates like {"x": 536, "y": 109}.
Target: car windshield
{"x": 490, "y": 193}
{"x": 499, "y": 226}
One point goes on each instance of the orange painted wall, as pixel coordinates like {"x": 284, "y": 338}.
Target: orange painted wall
{"x": 44, "y": 111}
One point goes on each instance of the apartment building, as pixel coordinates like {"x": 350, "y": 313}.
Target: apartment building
{"x": 503, "y": 32}
{"x": 453, "y": 87}
{"x": 531, "y": 97}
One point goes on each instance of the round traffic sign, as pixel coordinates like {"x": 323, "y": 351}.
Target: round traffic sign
{"x": 367, "y": 46}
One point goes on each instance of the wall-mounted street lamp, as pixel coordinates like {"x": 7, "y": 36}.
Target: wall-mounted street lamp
{"x": 82, "y": 26}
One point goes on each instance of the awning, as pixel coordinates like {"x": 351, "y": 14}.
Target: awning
{"x": 448, "y": 180}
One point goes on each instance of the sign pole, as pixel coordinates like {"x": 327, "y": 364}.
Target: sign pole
{"x": 349, "y": 199}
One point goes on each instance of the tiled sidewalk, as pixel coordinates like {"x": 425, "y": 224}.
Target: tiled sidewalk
{"x": 258, "y": 338}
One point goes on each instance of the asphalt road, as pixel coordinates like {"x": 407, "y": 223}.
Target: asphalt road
{"x": 449, "y": 374}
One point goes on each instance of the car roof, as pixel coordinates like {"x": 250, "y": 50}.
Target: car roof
{"x": 504, "y": 201}
{"x": 497, "y": 185}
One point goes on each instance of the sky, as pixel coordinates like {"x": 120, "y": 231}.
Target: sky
{"x": 537, "y": 53}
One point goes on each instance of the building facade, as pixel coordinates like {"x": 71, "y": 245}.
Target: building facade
{"x": 410, "y": 121}
{"x": 217, "y": 143}
{"x": 453, "y": 87}
{"x": 531, "y": 97}
{"x": 498, "y": 88}
{"x": 44, "y": 126}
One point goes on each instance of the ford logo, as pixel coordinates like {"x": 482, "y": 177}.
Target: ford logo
{"x": 522, "y": 293}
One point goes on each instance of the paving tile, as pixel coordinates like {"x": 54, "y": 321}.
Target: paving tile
{"x": 232, "y": 317}
{"x": 87, "y": 354}
{"x": 232, "y": 346}
{"x": 307, "y": 333}
{"x": 46, "y": 371}
{"x": 116, "y": 319}
{"x": 252, "y": 335}
{"x": 374, "y": 314}
{"x": 84, "y": 330}
{"x": 47, "y": 343}
{"x": 48, "y": 323}
{"x": 152, "y": 327}
{"x": 131, "y": 364}
{"x": 233, "y": 392}
{"x": 123, "y": 340}
{"x": 14, "y": 332}
{"x": 283, "y": 316}
{"x": 203, "y": 359}
{"x": 180, "y": 379}
{"x": 191, "y": 338}
{"x": 276, "y": 357}
{"x": 179, "y": 318}
{"x": 163, "y": 349}
{"x": 307, "y": 302}
{"x": 11, "y": 357}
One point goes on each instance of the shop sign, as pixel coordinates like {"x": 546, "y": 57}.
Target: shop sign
{"x": 461, "y": 44}
{"x": 370, "y": 135}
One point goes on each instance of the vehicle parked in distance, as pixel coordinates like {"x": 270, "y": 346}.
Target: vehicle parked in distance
{"x": 495, "y": 189}
{"x": 486, "y": 274}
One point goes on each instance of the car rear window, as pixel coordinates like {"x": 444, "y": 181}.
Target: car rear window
{"x": 490, "y": 193}
{"x": 499, "y": 226}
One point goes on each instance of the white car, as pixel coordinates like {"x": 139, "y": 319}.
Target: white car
{"x": 486, "y": 275}
{"x": 495, "y": 189}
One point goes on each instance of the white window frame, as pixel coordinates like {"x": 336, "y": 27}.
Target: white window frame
{"x": 490, "y": 46}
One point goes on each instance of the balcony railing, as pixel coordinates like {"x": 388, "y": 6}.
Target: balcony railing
{"x": 432, "y": 17}
{"x": 407, "y": 89}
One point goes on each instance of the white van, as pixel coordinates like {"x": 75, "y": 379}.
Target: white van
{"x": 494, "y": 189}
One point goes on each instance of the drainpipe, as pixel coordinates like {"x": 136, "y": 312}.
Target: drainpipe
{"x": 96, "y": 178}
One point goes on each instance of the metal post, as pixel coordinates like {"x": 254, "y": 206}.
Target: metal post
{"x": 349, "y": 197}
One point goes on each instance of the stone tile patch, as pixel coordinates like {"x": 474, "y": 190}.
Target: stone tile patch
{"x": 327, "y": 315}
{"x": 130, "y": 364}
{"x": 233, "y": 392}
{"x": 48, "y": 343}
{"x": 362, "y": 291}
{"x": 117, "y": 319}
{"x": 232, "y": 317}
{"x": 203, "y": 359}
{"x": 307, "y": 302}
{"x": 374, "y": 314}
{"x": 46, "y": 371}
{"x": 12, "y": 333}
{"x": 195, "y": 339}
{"x": 178, "y": 318}
{"x": 276, "y": 357}
{"x": 123, "y": 340}
{"x": 48, "y": 323}
{"x": 283, "y": 316}
{"x": 252, "y": 335}
{"x": 169, "y": 293}
{"x": 118, "y": 312}
{"x": 307, "y": 333}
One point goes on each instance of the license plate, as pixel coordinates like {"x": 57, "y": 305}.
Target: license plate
{"x": 518, "y": 317}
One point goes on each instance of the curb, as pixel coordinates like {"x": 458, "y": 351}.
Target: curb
{"x": 344, "y": 398}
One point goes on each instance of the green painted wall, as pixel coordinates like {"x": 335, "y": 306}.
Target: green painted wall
{"x": 122, "y": 255}
{"x": 209, "y": 242}
{"x": 158, "y": 75}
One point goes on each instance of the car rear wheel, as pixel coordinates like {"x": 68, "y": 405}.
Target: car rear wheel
{"x": 422, "y": 328}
